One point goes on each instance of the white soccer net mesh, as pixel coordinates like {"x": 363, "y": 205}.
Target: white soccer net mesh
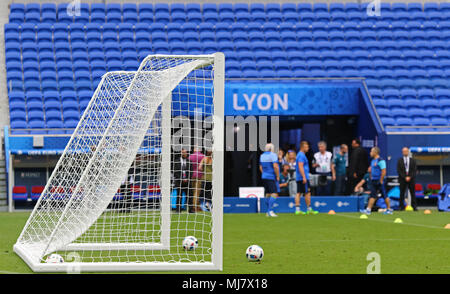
{"x": 129, "y": 186}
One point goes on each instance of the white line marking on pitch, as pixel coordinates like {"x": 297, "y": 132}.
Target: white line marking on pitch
{"x": 340, "y": 240}
{"x": 390, "y": 221}
{"x": 8, "y": 273}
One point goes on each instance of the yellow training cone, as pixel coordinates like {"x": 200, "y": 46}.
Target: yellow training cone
{"x": 332, "y": 212}
{"x": 398, "y": 220}
{"x": 409, "y": 208}
{"x": 363, "y": 216}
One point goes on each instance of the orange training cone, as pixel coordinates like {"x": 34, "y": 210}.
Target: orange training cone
{"x": 332, "y": 212}
{"x": 447, "y": 226}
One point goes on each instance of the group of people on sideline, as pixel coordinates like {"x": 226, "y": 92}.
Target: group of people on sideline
{"x": 192, "y": 174}
{"x": 297, "y": 174}
{"x": 331, "y": 174}
{"x": 270, "y": 174}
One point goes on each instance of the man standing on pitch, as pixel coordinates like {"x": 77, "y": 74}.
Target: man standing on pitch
{"x": 270, "y": 175}
{"x": 182, "y": 176}
{"x": 323, "y": 163}
{"x": 302, "y": 177}
{"x": 377, "y": 171}
{"x": 406, "y": 169}
{"x": 358, "y": 164}
{"x": 340, "y": 170}
{"x": 196, "y": 178}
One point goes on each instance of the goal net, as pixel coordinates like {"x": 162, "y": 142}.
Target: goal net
{"x": 142, "y": 171}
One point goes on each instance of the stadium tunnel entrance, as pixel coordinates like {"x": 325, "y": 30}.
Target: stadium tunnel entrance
{"x": 242, "y": 167}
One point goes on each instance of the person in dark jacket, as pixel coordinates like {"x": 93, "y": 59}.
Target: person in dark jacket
{"x": 407, "y": 170}
{"x": 182, "y": 169}
{"x": 310, "y": 156}
{"x": 358, "y": 164}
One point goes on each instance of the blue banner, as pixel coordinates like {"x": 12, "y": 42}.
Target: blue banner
{"x": 240, "y": 205}
{"x": 319, "y": 203}
{"x": 287, "y": 204}
{"x": 269, "y": 98}
{"x": 430, "y": 149}
{"x": 24, "y": 145}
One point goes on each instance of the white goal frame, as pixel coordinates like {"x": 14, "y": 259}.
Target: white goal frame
{"x": 216, "y": 262}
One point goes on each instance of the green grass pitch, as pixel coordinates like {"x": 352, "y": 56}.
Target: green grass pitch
{"x": 308, "y": 243}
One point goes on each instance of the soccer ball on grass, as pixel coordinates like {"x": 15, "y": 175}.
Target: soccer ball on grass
{"x": 254, "y": 253}
{"x": 54, "y": 258}
{"x": 190, "y": 243}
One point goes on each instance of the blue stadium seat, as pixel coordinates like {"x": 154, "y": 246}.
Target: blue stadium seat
{"x": 421, "y": 121}
{"x": 53, "y": 114}
{"x": 16, "y": 17}
{"x": 48, "y": 17}
{"x": 320, "y": 7}
{"x": 209, "y": 7}
{"x": 429, "y": 103}
{"x": 65, "y": 72}
{"x": 145, "y": 17}
{"x": 111, "y": 17}
{"x": 388, "y": 121}
{"x": 17, "y": 7}
{"x": 211, "y": 17}
{"x": 404, "y": 121}
{"x": 399, "y": 7}
{"x": 415, "y": 112}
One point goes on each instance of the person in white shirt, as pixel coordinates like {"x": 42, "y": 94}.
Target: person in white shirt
{"x": 323, "y": 161}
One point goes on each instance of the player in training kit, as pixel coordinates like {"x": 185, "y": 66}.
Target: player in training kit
{"x": 377, "y": 171}
{"x": 302, "y": 177}
{"x": 270, "y": 175}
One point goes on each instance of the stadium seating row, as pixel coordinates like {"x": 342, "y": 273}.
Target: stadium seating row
{"x": 226, "y": 7}
{"x": 365, "y": 27}
{"x": 181, "y": 18}
{"x": 409, "y": 38}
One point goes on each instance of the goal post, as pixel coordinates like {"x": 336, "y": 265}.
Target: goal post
{"x": 109, "y": 203}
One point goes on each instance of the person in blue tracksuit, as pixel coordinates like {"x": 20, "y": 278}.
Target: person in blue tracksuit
{"x": 377, "y": 172}
{"x": 270, "y": 175}
{"x": 302, "y": 178}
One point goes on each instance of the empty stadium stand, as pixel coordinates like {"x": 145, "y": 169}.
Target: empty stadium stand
{"x": 55, "y": 61}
